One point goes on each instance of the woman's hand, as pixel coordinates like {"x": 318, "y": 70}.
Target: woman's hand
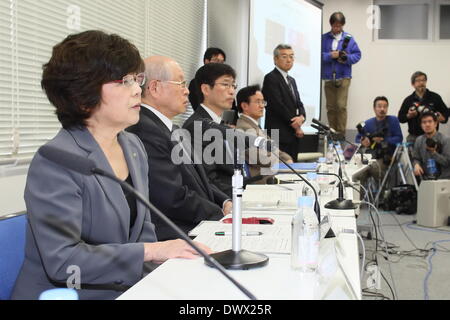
{"x": 159, "y": 252}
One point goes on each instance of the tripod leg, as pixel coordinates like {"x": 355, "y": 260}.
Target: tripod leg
{"x": 393, "y": 161}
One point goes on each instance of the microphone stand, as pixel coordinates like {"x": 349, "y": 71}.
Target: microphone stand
{"x": 340, "y": 203}
{"x": 330, "y": 233}
{"x": 236, "y": 258}
{"x": 149, "y": 205}
{"x": 316, "y": 204}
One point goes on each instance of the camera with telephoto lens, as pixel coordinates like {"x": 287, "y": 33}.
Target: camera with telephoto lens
{"x": 420, "y": 108}
{"x": 380, "y": 150}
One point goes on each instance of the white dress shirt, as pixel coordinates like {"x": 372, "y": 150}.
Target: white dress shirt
{"x": 337, "y": 38}
{"x": 212, "y": 114}
{"x": 284, "y": 74}
{"x": 168, "y": 123}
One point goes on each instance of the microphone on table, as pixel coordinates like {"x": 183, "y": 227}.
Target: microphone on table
{"x": 88, "y": 167}
{"x": 275, "y": 180}
{"x": 340, "y": 203}
{"x": 251, "y": 140}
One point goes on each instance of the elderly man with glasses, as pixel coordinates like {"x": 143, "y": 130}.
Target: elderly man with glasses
{"x": 181, "y": 190}
{"x": 285, "y": 111}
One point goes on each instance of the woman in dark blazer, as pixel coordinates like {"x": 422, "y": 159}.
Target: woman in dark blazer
{"x": 85, "y": 231}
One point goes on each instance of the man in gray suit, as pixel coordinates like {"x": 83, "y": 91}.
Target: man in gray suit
{"x": 251, "y": 105}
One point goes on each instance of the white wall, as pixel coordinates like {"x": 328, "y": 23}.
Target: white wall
{"x": 386, "y": 68}
{"x": 11, "y": 194}
{"x": 228, "y": 29}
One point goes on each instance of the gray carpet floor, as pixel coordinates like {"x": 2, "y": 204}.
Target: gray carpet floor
{"x": 407, "y": 267}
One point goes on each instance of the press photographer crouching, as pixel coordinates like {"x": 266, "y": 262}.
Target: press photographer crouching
{"x": 378, "y": 136}
{"x": 431, "y": 153}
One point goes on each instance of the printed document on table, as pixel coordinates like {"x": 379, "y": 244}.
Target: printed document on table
{"x": 274, "y": 239}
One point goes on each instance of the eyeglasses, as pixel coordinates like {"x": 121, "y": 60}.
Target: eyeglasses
{"x": 260, "y": 102}
{"x": 228, "y": 85}
{"x": 182, "y": 84}
{"x": 130, "y": 79}
{"x": 287, "y": 56}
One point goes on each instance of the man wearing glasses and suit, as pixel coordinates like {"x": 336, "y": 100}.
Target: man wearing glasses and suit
{"x": 217, "y": 88}
{"x": 285, "y": 111}
{"x": 181, "y": 191}
{"x": 251, "y": 105}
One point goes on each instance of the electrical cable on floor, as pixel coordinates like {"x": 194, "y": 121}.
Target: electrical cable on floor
{"x": 430, "y": 269}
{"x": 364, "y": 254}
{"x": 387, "y": 252}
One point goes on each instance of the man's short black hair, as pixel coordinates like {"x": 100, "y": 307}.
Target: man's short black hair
{"x": 244, "y": 95}
{"x": 337, "y": 17}
{"x": 416, "y": 75}
{"x": 212, "y": 52}
{"x": 380, "y": 98}
{"x": 428, "y": 114}
{"x": 209, "y": 73}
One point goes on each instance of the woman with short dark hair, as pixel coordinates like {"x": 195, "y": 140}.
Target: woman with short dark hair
{"x": 85, "y": 231}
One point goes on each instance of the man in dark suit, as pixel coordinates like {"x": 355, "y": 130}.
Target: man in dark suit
{"x": 217, "y": 88}
{"x": 181, "y": 191}
{"x": 284, "y": 111}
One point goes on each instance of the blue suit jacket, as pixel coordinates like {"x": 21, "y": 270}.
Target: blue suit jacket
{"x": 78, "y": 222}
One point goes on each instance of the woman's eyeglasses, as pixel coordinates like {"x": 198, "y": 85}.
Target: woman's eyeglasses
{"x": 130, "y": 79}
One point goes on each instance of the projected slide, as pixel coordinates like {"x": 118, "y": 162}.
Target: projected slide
{"x": 294, "y": 22}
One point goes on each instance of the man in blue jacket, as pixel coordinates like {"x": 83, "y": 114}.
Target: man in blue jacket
{"x": 380, "y": 136}
{"x": 339, "y": 52}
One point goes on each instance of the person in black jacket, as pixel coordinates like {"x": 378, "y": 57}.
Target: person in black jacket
{"x": 419, "y": 102}
{"x": 217, "y": 87}
{"x": 212, "y": 55}
{"x": 284, "y": 111}
{"x": 182, "y": 191}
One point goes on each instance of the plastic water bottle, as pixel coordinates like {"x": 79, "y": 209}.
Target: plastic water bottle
{"x": 59, "y": 294}
{"x": 323, "y": 180}
{"x": 431, "y": 169}
{"x": 330, "y": 153}
{"x": 312, "y": 179}
{"x": 340, "y": 152}
{"x": 305, "y": 237}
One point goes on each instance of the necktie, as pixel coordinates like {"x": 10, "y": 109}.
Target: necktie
{"x": 291, "y": 86}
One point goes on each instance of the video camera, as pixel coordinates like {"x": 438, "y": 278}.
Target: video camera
{"x": 380, "y": 150}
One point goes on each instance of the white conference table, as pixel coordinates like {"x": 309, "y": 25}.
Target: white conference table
{"x": 179, "y": 279}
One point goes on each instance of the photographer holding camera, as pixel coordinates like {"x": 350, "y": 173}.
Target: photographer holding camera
{"x": 339, "y": 53}
{"x": 419, "y": 102}
{"x": 431, "y": 153}
{"x": 379, "y": 136}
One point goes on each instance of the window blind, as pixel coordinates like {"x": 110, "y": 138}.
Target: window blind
{"x": 176, "y": 30}
{"x": 29, "y": 29}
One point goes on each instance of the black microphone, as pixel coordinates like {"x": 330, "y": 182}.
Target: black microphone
{"x": 88, "y": 167}
{"x": 319, "y": 129}
{"x": 340, "y": 203}
{"x": 229, "y": 117}
{"x": 230, "y": 134}
{"x": 323, "y": 126}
